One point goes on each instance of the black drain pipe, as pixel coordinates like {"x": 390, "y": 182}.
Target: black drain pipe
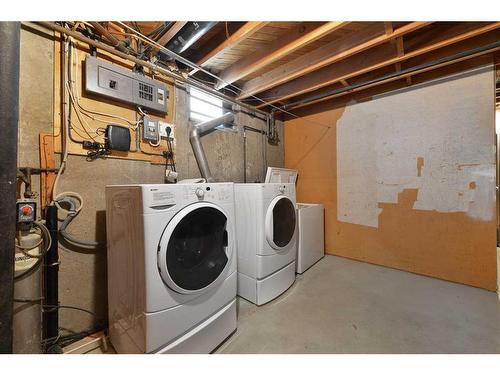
{"x": 9, "y": 122}
{"x": 51, "y": 284}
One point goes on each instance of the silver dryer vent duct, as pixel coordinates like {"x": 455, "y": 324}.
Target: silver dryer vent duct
{"x": 199, "y": 130}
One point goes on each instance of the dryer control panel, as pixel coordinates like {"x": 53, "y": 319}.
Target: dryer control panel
{"x": 281, "y": 188}
{"x": 210, "y": 192}
{"x": 274, "y": 189}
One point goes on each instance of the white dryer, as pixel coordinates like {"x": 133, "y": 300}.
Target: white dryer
{"x": 266, "y": 233}
{"x": 171, "y": 267}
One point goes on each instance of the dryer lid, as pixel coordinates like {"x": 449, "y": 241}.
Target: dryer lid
{"x": 281, "y": 175}
{"x": 193, "y": 250}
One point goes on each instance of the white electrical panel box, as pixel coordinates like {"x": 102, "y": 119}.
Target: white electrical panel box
{"x": 112, "y": 81}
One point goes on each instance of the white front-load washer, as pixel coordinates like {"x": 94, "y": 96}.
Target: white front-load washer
{"x": 171, "y": 267}
{"x": 266, "y": 233}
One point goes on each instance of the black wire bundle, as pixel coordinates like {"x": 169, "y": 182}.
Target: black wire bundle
{"x": 155, "y": 35}
{"x": 64, "y": 340}
{"x": 100, "y": 152}
{"x": 170, "y": 152}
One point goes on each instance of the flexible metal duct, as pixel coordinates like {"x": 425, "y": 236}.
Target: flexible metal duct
{"x": 188, "y": 35}
{"x": 199, "y": 130}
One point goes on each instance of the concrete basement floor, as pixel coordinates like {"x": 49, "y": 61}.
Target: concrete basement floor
{"x": 344, "y": 306}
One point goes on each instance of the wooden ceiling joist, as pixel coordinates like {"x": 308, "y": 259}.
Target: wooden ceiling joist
{"x": 300, "y": 36}
{"x": 353, "y": 43}
{"x": 465, "y": 45}
{"x": 377, "y": 58}
{"x": 369, "y": 93}
{"x": 400, "y": 52}
{"x": 245, "y": 31}
{"x": 388, "y": 28}
{"x": 174, "y": 29}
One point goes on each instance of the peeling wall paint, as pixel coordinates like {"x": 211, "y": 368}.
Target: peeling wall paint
{"x": 379, "y": 143}
{"x": 410, "y": 192}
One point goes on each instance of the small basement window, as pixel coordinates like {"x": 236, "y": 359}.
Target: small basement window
{"x": 203, "y": 107}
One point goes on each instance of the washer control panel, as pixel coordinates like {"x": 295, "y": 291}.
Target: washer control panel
{"x": 210, "y": 192}
{"x": 161, "y": 197}
{"x": 200, "y": 193}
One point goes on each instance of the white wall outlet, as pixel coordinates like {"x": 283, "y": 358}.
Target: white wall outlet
{"x": 163, "y": 129}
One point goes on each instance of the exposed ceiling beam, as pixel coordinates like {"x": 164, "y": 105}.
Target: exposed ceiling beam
{"x": 369, "y": 93}
{"x": 331, "y": 74}
{"x": 300, "y": 36}
{"x": 389, "y": 29}
{"x": 377, "y": 58}
{"x": 337, "y": 50}
{"x": 245, "y": 31}
{"x": 400, "y": 49}
{"x": 165, "y": 38}
{"x": 465, "y": 46}
{"x": 400, "y": 46}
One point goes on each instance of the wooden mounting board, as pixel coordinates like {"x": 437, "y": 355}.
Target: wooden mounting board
{"x": 104, "y": 105}
{"x": 46, "y": 161}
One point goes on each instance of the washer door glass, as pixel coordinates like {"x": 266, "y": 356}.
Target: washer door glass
{"x": 196, "y": 251}
{"x": 283, "y": 221}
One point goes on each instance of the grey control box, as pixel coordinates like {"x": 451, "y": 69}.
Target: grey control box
{"x": 116, "y": 82}
{"x": 150, "y": 130}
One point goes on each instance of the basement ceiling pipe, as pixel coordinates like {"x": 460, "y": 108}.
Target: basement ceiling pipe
{"x": 9, "y": 121}
{"x": 394, "y": 76}
{"x": 188, "y": 35}
{"x": 103, "y": 31}
{"x": 154, "y": 67}
{"x": 199, "y": 130}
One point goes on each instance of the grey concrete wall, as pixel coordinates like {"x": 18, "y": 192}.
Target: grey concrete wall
{"x": 83, "y": 272}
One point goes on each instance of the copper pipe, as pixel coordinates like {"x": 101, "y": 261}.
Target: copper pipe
{"x": 103, "y": 31}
